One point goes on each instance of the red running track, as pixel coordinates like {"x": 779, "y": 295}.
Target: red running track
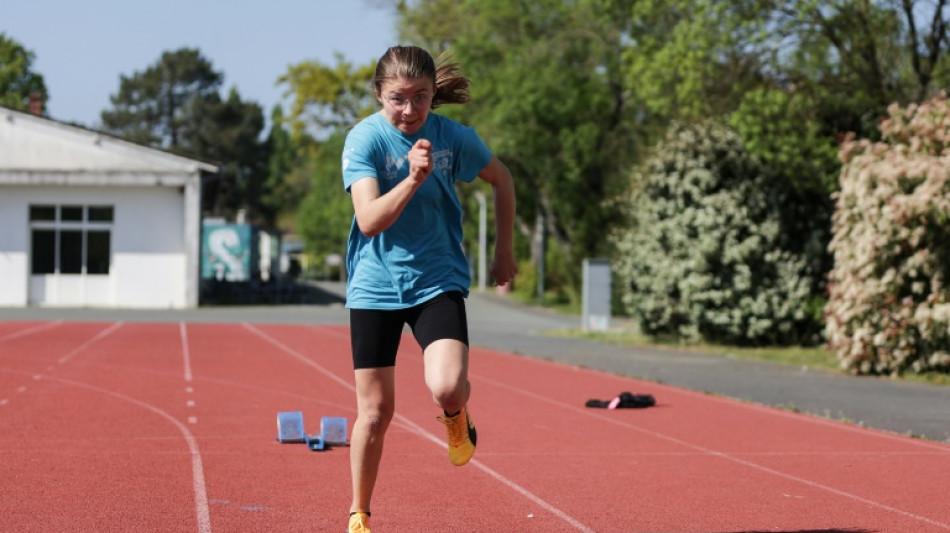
{"x": 171, "y": 427}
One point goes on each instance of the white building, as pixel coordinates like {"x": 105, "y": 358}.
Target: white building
{"x": 88, "y": 220}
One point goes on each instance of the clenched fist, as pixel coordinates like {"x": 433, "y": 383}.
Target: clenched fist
{"x": 420, "y": 160}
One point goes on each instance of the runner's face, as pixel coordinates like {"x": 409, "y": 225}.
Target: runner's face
{"x": 406, "y": 102}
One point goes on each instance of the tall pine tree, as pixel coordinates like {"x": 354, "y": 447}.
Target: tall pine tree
{"x": 175, "y": 104}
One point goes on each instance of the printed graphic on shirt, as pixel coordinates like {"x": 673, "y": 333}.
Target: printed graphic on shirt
{"x": 442, "y": 161}
{"x": 392, "y": 167}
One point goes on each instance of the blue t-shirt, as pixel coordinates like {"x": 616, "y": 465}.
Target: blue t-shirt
{"x": 421, "y": 254}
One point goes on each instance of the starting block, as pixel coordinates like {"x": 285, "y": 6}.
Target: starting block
{"x": 333, "y": 430}
{"x": 290, "y": 428}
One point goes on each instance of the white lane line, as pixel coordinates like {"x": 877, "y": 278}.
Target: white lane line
{"x": 185, "y": 352}
{"x": 304, "y": 359}
{"x": 197, "y": 468}
{"x": 509, "y": 483}
{"x": 102, "y": 334}
{"x": 424, "y": 433}
{"x": 28, "y": 331}
{"x": 722, "y": 455}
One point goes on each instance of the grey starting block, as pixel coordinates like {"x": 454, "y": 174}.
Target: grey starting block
{"x": 290, "y": 428}
{"x": 333, "y": 430}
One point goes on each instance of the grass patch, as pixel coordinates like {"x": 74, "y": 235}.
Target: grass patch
{"x": 816, "y": 358}
{"x": 930, "y": 378}
{"x": 811, "y": 357}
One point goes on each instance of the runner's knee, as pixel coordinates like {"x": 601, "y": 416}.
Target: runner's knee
{"x": 377, "y": 415}
{"x": 449, "y": 395}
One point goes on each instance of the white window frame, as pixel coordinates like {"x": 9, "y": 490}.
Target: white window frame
{"x": 84, "y": 226}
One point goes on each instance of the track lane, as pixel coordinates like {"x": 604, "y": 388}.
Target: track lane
{"x": 693, "y": 463}
{"x": 241, "y": 382}
{"x": 407, "y": 443}
{"x": 715, "y": 430}
{"x": 776, "y": 489}
{"x": 99, "y": 456}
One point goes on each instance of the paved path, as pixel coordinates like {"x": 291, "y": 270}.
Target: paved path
{"x": 498, "y": 323}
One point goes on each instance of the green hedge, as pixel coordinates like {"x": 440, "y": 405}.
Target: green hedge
{"x": 700, "y": 257}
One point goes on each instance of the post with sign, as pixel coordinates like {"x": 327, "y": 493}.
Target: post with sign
{"x": 596, "y": 304}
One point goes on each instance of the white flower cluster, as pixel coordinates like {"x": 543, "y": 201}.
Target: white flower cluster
{"x": 700, "y": 258}
{"x": 889, "y": 303}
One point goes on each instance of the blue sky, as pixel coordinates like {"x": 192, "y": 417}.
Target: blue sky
{"x": 81, "y": 47}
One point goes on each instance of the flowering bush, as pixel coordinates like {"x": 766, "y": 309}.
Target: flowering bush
{"x": 700, "y": 258}
{"x": 889, "y": 304}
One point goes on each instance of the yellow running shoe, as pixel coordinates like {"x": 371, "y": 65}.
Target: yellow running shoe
{"x": 359, "y": 523}
{"x": 462, "y": 436}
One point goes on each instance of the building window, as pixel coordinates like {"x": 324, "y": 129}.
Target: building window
{"x": 44, "y": 251}
{"x": 71, "y": 239}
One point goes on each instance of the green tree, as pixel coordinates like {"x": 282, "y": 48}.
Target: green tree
{"x": 18, "y": 80}
{"x": 435, "y": 34}
{"x": 326, "y": 212}
{"x": 548, "y": 98}
{"x": 690, "y": 59}
{"x": 288, "y": 175}
{"x": 569, "y": 93}
{"x": 175, "y": 104}
{"x": 883, "y": 51}
{"x": 229, "y": 132}
{"x": 326, "y": 98}
{"x": 153, "y": 106}
{"x": 840, "y": 62}
{"x": 791, "y": 78}
{"x": 780, "y": 129}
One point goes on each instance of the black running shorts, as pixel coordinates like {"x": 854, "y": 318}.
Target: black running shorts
{"x": 375, "y": 334}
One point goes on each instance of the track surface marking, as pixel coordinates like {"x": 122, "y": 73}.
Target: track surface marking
{"x": 171, "y": 426}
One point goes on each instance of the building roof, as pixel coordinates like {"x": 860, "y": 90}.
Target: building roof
{"x": 38, "y": 149}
